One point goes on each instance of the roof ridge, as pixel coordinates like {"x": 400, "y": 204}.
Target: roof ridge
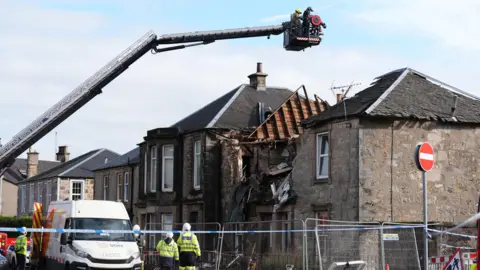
{"x": 388, "y": 91}
{"x": 82, "y": 162}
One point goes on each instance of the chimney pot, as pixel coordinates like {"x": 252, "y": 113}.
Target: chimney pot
{"x": 63, "y": 155}
{"x": 339, "y": 98}
{"x": 259, "y": 67}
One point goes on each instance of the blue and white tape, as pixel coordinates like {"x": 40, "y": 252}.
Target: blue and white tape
{"x": 451, "y": 233}
{"x": 322, "y": 229}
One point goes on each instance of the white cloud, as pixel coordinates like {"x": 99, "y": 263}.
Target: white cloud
{"x": 38, "y": 70}
{"x": 455, "y": 24}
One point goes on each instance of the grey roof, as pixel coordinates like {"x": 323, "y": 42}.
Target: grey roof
{"x": 80, "y": 167}
{"x": 406, "y": 93}
{"x": 18, "y": 171}
{"x": 131, "y": 157}
{"x": 236, "y": 109}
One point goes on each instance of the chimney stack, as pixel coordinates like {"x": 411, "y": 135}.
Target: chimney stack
{"x": 32, "y": 163}
{"x": 258, "y": 79}
{"x": 63, "y": 155}
{"x": 339, "y": 98}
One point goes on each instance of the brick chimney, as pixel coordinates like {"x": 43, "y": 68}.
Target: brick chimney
{"x": 32, "y": 163}
{"x": 63, "y": 155}
{"x": 258, "y": 79}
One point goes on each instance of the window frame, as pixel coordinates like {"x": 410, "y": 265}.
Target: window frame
{"x": 126, "y": 186}
{"x": 106, "y": 183}
{"x": 119, "y": 187}
{"x": 319, "y": 137}
{"x": 149, "y": 221}
{"x": 31, "y": 197}
{"x": 197, "y": 161}
{"x": 40, "y": 192}
{"x": 153, "y": 168}
{"x": 82, "y": 191}
{"x": 164, "y": 158}
{"x": 164, "y": 226}
{"x": 145, "y": 171}
{"x": 320, "y": 232}
{"x": 23, "y": 198}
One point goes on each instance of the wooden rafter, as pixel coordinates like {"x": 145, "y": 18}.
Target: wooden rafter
{"x": 309, "y": 105}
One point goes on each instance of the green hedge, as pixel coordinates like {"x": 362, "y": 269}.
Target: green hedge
{"x": 14, "y": 222}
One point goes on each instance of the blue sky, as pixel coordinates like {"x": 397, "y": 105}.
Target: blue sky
{"x": 49, "y": 47}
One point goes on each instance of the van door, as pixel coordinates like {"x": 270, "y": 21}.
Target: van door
{"x": 68, "y": 225}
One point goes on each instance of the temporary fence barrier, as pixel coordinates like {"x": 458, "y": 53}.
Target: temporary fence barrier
{"x": 399, "y": 246}
{"x": 209, "y": 242}
{"x": 280, "y": 244}
{"x": 330, "y": 241}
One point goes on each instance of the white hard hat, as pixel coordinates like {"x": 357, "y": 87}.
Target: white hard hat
{"x": 186, "y": 227}
{"x": 136, "y": 227}
{"x": 169, "y": 235}
{"x": 24, "y": 230}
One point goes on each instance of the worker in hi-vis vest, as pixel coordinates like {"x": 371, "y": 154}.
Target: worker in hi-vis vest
{"x": 168, "y": 251}
{"x": 21, "y": 249}
{"x": 189, "y": 248}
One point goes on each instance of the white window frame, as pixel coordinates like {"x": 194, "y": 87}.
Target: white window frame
{"x": 82, "y": 192}
{"x": 167, "y": 226}
{"x": 319, "y": 155}
{"x": 23, "y": 198}
{"x": 40, "y": 192}
{"x": 31, "y": 197}
{"x": 106, "y": 180}
{"x": 163, "y": 166}
{"x": 119, "y": 187}
{"x": 49, "y": 193}
{"x": 322, "y": 235}
{"x": 197, "y": 160}
{"x": 149, "y": 223}
{"x": 145, "y": 172}
{"x": 126, "y": 186}
{"x": 153, "y": 168}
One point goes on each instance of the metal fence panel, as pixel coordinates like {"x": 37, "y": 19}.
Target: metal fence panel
{"x": 329, "y": 241}
{"x": 273, "y": 250}
{"x": 400, "y": 248}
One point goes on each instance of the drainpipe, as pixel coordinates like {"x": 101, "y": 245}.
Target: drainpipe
{"x": 132, "y": 171}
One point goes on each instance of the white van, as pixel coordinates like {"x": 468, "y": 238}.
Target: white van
{"x": 89, "y": 250}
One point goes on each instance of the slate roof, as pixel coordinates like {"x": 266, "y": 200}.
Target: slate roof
{"x": 80, "y": 167}
{"x": 406, "y": 93}
{"x": 131, "y": 157}
{"x": 18, "y": 171}
{"x": 236, "y": 109}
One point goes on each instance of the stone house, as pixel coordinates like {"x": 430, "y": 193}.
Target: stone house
{"x": 20, "y": 170}
{"x": 114, "y": 181}
{"x": 355, "y": 160}
{"x": 70, "y": 180}
{"x": 190, "y": 171}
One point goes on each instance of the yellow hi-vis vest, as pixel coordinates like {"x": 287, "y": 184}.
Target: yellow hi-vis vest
{"x": 167, "y": 250}
{"x": 187, "y": 242}
{"x": 21, "y": 245}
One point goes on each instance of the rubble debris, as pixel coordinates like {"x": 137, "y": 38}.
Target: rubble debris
{"x": 284, "y": 193}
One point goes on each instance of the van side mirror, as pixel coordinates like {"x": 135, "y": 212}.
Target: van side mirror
{"x": 64, "y": 240}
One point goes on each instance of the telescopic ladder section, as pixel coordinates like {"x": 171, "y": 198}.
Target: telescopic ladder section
{"x": 73, "y": 101}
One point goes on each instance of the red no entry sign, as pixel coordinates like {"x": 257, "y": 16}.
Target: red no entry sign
{"x": 424, "y": 156}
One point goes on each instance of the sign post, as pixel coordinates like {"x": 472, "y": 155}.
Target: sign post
{"x": 424, "y": 161}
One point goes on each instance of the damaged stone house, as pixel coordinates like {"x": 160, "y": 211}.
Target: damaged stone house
{"x": 355, "y": 160}
{"x": 206, "y": 167}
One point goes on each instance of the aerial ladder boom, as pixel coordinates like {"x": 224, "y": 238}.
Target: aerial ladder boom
{"x": 150, "y": 41}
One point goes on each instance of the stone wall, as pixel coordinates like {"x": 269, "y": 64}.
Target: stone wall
{"x": 87, "y": 192}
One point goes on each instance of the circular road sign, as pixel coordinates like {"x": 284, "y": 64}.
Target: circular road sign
{"x": 424, "y": 156}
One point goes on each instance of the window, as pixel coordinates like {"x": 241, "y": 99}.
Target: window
{"x": 197, "y": 163}
{"x": 153, "y": 169}
{"x": 119, "y": 187}
{"x": 31, "y": 198}
{"x": 167, "y": 222}
{"x": 150, "y": 225}
{"x": 145, "y": 173}
{"x": 320, "y": 234}
{"x": 49, "y": 193}
{"x": 23, "y": 197}
{"x": 105, "y": 187}
{"x": 40, "y": 192}
{"x": 167, "y": 168}
{"x": 322, "y": 217}
{"x": 322, "y": 156}
{"x": 76, "y": 190}
{"x": 126, "y": 184}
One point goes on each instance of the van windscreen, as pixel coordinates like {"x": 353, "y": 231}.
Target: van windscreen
{"x": 102, "y": 224}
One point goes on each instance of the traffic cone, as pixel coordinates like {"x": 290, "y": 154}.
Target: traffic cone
{"x": 387, "y": 267}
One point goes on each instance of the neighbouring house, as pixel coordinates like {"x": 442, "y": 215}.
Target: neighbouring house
{"x": 114, "y": 181}
{"x": 197, "y": 170}
{"x": 70, "y": 180}
{"x": 20, "y": 170}
{"x": 355, "y": 162}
